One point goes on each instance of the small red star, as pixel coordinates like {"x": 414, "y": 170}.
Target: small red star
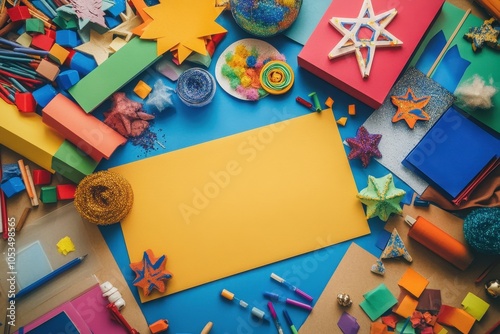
{"x": 364, "y": 146}
{"x": 150, "y": 273}
{"x": 410, "y": 108}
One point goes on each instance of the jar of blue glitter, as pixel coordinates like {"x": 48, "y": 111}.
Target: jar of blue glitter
{"x": 196, "y": 87}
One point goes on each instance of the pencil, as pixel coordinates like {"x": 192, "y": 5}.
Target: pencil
{"x": 22, "y": 219}
{"x": 35, "y": 285}
{"x": 20, "y": 162}
{"x": 34, "y": 199}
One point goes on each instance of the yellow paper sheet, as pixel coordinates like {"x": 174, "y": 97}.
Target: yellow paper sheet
{"x": 243, "y": 201}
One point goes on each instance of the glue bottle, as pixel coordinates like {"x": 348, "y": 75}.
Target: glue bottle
{"x": 439, "y": 242}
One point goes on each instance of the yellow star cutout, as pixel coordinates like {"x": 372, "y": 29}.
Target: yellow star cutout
{"x": 182, "y": 25}
{"x": 129, "y": 22}
{"x": 97, "y": 46}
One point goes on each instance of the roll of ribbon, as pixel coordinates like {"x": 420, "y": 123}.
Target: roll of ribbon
{"x": 104, "y": 198}
{"x": 276, "y": 77}
{"x": 196, "y": 87}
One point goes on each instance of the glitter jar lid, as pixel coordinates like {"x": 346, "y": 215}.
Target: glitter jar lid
{"x": 196, "y": 87}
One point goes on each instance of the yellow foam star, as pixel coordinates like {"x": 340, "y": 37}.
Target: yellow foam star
{"x": 182, "y": 25}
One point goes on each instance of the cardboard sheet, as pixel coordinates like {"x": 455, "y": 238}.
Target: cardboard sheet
{"x": 243, "y": 201}
{"x": 353, "y": 277}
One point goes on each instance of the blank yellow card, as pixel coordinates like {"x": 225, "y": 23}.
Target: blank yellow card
{"x": 243, "y": 201}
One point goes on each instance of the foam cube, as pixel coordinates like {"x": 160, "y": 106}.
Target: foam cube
{"x": 48, "y": 194}
{"x": 72, "y": 163}
{"x": 65, "y": 191}
{"x": 58, "y": 54}
{"x": 82, "y": 63}
{"x": 25, "y": 101}
{"x": 142, "y": 89}
{"x": 34, "y": 25}
{"x": 18, "y": 13}
{"x": 67, "y": 38}
{"x": 24, "y": 39}
{"x": 47, "y": 69}
{"x": 13, "y": 186}
{"x": 41, "y": 177}
{"x": 42, "y": 42}
{"x": 44, "y": 94}
{"x": 67, "y": 78}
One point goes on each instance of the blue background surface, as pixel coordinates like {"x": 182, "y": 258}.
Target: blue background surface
{"x": 188, "y": 311}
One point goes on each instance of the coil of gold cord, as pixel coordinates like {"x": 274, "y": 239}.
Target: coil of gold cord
{"x": 104, "y": 198}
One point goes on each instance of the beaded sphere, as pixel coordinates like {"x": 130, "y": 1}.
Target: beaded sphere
{"x": 482, "y": 230}
{"x": 493, "y": 288}
{"x": 264, "y": 18}
{"x": 344, "y": 299}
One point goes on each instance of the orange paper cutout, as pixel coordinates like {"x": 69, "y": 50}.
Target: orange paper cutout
{"x": 406, "y": 306}
{"x": 413, "y": 282}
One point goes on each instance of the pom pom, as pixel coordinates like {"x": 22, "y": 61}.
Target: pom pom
{"x": 482, "y": 230}
{"x": 475, "y": 93}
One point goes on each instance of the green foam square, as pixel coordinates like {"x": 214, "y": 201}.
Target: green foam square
{"x": 48, "y": 194}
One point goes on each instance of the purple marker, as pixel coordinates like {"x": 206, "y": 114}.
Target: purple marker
{"x": 291, "y": 287}
{"x": 277, "y": 298}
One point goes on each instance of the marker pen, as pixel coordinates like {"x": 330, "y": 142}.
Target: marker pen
{"x": 270, "y": 306}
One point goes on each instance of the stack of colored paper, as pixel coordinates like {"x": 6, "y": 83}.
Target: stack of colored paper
{"x": 455, "y": 155}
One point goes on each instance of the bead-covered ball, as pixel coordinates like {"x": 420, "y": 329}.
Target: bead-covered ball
{"x": 493, "y": 288}
{"x": 344, "y": 299}
{"x": 264, "y": 18}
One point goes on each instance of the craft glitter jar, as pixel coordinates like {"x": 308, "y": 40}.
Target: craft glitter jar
{"x": 196, "y": 87}
{"x": 264, "y": 18}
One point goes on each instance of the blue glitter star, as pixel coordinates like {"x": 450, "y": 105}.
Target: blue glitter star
{"x": 150, "y": 273}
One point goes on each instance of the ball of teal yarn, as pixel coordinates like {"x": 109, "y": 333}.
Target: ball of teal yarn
{"x": 482, "y": 230}
{"x": 264, "y": 18}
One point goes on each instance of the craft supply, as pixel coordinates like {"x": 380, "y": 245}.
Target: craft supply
{"x": 487, "y": 34}
{"x": 207, "y": 328}
{"x": 475, "y": 93}
{"x": 150, "y": 273}
{"x": 439, "y": 242}
{"x": 3, "y": 208}
{"x": 276, "y": 77}
{"x": 104, "y": 197}
{"x": 450, "y": 40}
{"x": 35, "y": 285}
{"x": 265, "y": 18}
{"x": 112, "y": 294}
{"x": 289, "y": 322}
{"x": 277, "y": 298}
{"x": 354, "y": 41}
{"x": 381, "y": 197}
{"x": 31, "y": 185}
{"x": 22, "y": 219}
{"x": 291, "y": 287}
{"x": 314, "y": 97}
{"x": 344, "y": 299}
{"x": 305, "y": 103}
{"x": 65, "y": 246}
{"x": 493, "y": 288}
{"x": 364, "y": 146}
{"x": 120, "y": 318}
{"x": 274, "y": 316}
{"x": 482, "y": 230}
{"x": 24, "y": 176}
{"x": 254, "y": 310}
{"x": 410, "y": 108}
{"x": 196, "y": 87}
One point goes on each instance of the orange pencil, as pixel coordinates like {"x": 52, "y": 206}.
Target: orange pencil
{"x": 24, "y": 176}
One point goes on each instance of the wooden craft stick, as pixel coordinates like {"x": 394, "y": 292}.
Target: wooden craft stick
{"x": 443, "y": 51}
{"x": 34, "y": 199}
{"x": 22, "y": 219}
{"x": 24, "y": 176}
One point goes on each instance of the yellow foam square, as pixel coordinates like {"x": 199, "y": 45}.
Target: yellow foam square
{"x": 142, "y": 89}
